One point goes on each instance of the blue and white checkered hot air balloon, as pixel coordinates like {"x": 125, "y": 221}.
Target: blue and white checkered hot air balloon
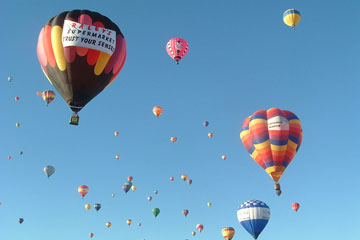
{"x": 253, "y": 216}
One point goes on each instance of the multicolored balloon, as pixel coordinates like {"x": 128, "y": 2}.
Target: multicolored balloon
{"x": 184, "y": 177}
{"x": 156, "y": 212}
{"x": 83, "y": 190}
{"x": 193, "y": 233}
{"x": 210, "y": 134}
{"x": 49, "y": 170}
{"x": 272, "y": 138}
{"x": 20, "y": 220}
{"x": 291, "y": 17}
{"x": 80, "y": 52}
{"x": 173, "y": 139}
{"x": 189, "y": 181}
{"x": 185, "y": 212}
{"x": 97, "y": 206}
{"x": 128, "y": 222}
{"x": 200, "y": 227}
{"x": 295, "y": 206}
{"x": 253, "y": 216}
{"x": 116, "y": 133}
{"x": 206, "y": 123}
{"x": 157, "y": 110}
{"x": 127, "y": 186}
{"x": 177, "y": 48}
{"x": 228, "y": 233}
{"x": 48, "y": 96}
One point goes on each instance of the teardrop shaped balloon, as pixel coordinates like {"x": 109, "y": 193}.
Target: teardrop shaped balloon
{"x": 48, "y": 96}
{"x": 177, "y": 48}
{"x": 108, "y": 224}
{"x": 97, "y": 206}
{"x": 156, "y": 212}
{"x": 184, "y": 177}
{"x": 223, "y": 157}
{"x": 130, "y": 178}
{"x": 20, "y": 220}
{"x": 91, "y": 235}
{"x": 272, "y": 138}
{"x": 253, "y": 216}
{"x": 210, "y": 134}
{"x": 189, "y": 181}
{"x": 157, "y": 110}
{"x": 295, "y": 206}
{"x": 200, "y": 227}
{"x": 87, "y": 206}
{"x": 206, "y": 123}
{"x": 49, "y": 170}
{"x": 80, "y": 52}
{"x": 149, "y": 198}
{"x": 291, "y": 17}
{"x": 83, "y": 190}
{"x": 133, "y": 188}
{"x": 185, "y": 212}
{"x": 228, "y": 233}
{"x": 128, "y": 222}
{"x": 173, "y": 139}
{"x": 127, "y": 186}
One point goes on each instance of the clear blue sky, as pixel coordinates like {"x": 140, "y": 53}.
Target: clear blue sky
{"x": 242, "y": 58}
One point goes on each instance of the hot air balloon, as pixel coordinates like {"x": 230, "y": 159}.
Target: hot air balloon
{"x": 133, "y": 188}
{"x": 149, "y": 198}
{"x": 185, "y": 212}
{"x": 48, "y": 96}
{"x": 10, "y": 79}
{"x": 128, "y": 222}
{"x": 189, "y": 181}
{"x": 83, "y": 190}
{"x": 193, "y": 233}
{"x": 116, "y": 133}
{"x": 91, "y": 235}
{"x": 156, "y": 212}
{"x": 272, "y": 137}
{"x": 97, "y": 206}
{"x": 17, "y": 98}
{"x": 117, "y": 156}
{"x": 184, "y": 177}
{"x": 9, "y": 157}
{"x": 228, "y": 233}
{"x": 21, "y": 152}
{"x": 21, "y": 220}
{"x": 139, "y": 224}
{"x": 87, "y": 206}
{"x": 157, "y": 110}
{"x": 127, "y": 186}
{"x": 177, "y": 48}
{"x": 156, "y": 192}
{"x": 171, "y": 178}
{"x": 206, "y": 123}
{"x": 209, "y": 204}
{"x": 291, "y": 17}
{"x": 173, "y": 139}
{"x": 49, "y": 170}
{"x": 17, "y": 124}
{"x": 253, "y": 216}
{"x": 81, "y": 53}
{"x": 199, "y": 227}
{"x": 38, "y": 93}
{"x": 113, "y": 194}
{"x": 130, "y": 178}
{"x": 223, "y": 157}
{"x": 210, "y": 134}
{"x": 295, "y": 206}
{"x": 108, "y": 224}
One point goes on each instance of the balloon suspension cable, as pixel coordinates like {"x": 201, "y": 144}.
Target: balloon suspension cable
{"x": 293, "y": 27}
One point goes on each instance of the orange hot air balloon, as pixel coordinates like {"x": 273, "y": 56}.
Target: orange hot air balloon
{"x": 83, "y": 190}
{"x": 295, "y": 206}
{"x": 128, "y": 222}
{"x": 223, "y": 157}
{"x": 228, "y": 233}
{"x": 91, "y": 235}
{"x": 189, "y": 181}
{"x": 108, "y": 224}
{"x": 210, "y": 134}
{"x": 117, "y": 156}
{"x": 173, "y": 139}
{"x": 38, "y": 94}
{"x": 184, "y": 177}
{"x": 116, "y": 133}
{"x": 157, "y": 110}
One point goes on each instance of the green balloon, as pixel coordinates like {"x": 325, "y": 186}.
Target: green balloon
{"x": 156, "y": 211}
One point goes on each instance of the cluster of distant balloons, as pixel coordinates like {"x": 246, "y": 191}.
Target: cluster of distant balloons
{"x": 272, "y": 137}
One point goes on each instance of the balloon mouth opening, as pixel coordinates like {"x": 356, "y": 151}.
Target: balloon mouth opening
{"x": 75, "y": 109}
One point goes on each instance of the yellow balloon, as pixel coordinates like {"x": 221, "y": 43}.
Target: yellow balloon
{"x": 87, "y": 206}
{"x": 108, "y": 224}
{"x": 133, "y": 187}
{"x": 291, "y": 17}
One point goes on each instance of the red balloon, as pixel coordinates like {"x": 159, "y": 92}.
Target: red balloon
{"x": 17, "y": 98}
{"x": 295, "y": 206}
{"x": 130, "y": 178}
{"x": 171, "y": 178}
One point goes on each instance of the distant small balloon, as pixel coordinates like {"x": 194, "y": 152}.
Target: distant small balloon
{"x": 223, "y": 157}
{"x": 10, "y": 79}
{"x": 199, "y": 227}
{"x": 184, "y": 177}
{"x": 157, "y": 110}
{"x": 130, "y": 178}
{"x": 209, "y": 204}
{"x": 128, "y": 222}
{"x": 139, "y": 224}
{"x": 116, "y": 133}
{"x": 295, "y": 206}
{"x": 173, "y": 139}
{"x": 87, "y": 206}
{"x": 9, "y": 157}
{"x": 210, "y": 134}
{"x": 38, "y": 93}
{"x": 97, "y": 206}
{"x": 83, "y": 190}
{"x": 17, "y": 124}
{"x": 171, "y": 178}
{"x": 21, "y": 220}
{"x": 113, "y": 194}
{"x": 189, "y": 181}
{"x": 206, "y": 123}
{"x": 149, "y": 198}
{"x": 91, "y": 235}
{"x": 108, "y": 224}
{"x": 117, "y": 156}
{"x": 185, "y": 212}
{"x": 156, "y": 212}
{"x": 21, "y": 152}
{"x": 49, "y": 170}
{"x": 133, "y": 188}
{"x": 193, "y": 233}
{"x": 17, "y": 98}
{"x": 156, "y": 192}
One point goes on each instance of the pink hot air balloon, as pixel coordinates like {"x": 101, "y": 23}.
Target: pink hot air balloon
{"x": 177, "y": 48}
{"x": 171, "y": 178}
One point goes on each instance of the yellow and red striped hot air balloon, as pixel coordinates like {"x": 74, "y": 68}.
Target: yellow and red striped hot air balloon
{"x": 83, "y": 190}
{"x": 228, "y": 233}
{"x": 157, "y": 110}
{"x": 272, "y": 137}
{"x": 48, "y": 96}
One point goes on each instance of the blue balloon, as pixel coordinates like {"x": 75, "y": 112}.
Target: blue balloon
{"x": 127, "y": 186}
{"x": 253, "y": 216}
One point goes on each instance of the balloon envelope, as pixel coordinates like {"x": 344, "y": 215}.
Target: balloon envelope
{"x": 156, "y": 211}
{"x": 127, "y": 186}
{"x": 108, "y": 224}
{"x": 21, "y": 220}
{"x": 48, "y": 96}
{"x": 177, "y": 48}
{"x": 49, "y": 170}
{"x": 228, "y": 232}
{"x": 291, "y": 17}
{"x": 253, "y": 216}
{"x": 87, "y": 206}
{"x": 295, "y": 206}
{"x": 157, "y": 110}
{"x": 80, "y": 52}
{"x": 185, "y": 212}
{"x": 83, "y": 190}
{"x": 199, "y": 227}
{"x": 97, "y": 206}
{"x": 206, "y": 123}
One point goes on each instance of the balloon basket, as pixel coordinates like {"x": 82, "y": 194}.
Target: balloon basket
{"x": 74, "y": 120}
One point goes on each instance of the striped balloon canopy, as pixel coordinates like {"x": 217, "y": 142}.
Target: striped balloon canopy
{"x": 177, "y": 48}
{"x": 228, "y": 233}
{"x": 253, "y": 215}
{"x": 48, "y": 96}
{"x": 272, "y": 137}
{"x": 291, "y": 17}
